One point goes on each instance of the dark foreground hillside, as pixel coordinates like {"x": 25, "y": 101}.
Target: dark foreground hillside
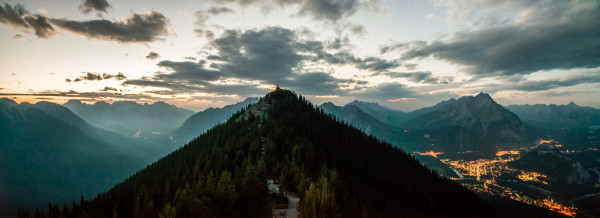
{"x": 336, "y": 171}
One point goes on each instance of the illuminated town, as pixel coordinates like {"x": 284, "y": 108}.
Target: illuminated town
{"x": 483, "y": 175}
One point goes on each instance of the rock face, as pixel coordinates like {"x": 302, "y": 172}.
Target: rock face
{"x": 557, "y": 116}
{"x": 487, "y": 121}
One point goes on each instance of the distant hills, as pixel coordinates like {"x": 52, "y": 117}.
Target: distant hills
{"x": 131, "y": 119}
{"x": 202, "y": 121}
{"x": 557, "y": 116}
{"x": 335, "y": 169}
{"x": 48, "y": 153}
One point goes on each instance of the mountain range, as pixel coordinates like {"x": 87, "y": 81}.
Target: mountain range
{"x": 131, "y": 119}
{"x": 61, "y": 139}
{"x": 47, "y": 153}
{"x": 557, "y": 116}
{"x": 335, "y": 169}
{"x": 467, "y": 123}
{"x": 78, "y": 158}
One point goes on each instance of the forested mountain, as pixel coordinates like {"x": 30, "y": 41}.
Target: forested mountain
{"x": 130, "y": 118}
{"x": 204, "y": 120}
{"x": 335, "y": 169}
{"x": 557, "y": 116}
{"x": 45, "y": 158}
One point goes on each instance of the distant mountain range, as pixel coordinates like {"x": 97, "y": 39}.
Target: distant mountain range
{"x": 198, "y": 123}
{"x": 557, "y": 116}
{"x": 131, "y": 119}
{"x": 468, "y": 123}
{"x": 47, "y": 152}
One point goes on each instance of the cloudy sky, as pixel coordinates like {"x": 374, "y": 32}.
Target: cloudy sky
{"x": 403, "y": 54}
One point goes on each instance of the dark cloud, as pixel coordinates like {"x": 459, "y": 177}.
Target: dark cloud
{"x": 332, "y": 10}
{"x": 152, "y": 56}
{"x": 219, "y": 10}
{"x": 358, "y": 29}
{"x": 269, "y": 54}
{"x": 91, "y": 76}
{"x": 88, "y": 6}
{"x": 314, "y": 83}
{"x": 559, "y": 35}
{"x": 19, "y": 18}
{"x": 386, "y": 91}
{"x": 329, "y": 10}
{"x": 420, "y": 77}
{"x": 188, "y": 71}
{"x": 108, "y": 89}
{"x": 338, "y": 43}
{"x": 118, "y": 76}
{"x": 17, "y": 36}
{"x": 540, "y": 85}
{"x": 137, "y": 28}
{"x": 346, "y": 58}
{"x": 272, "y": 55}
{"x": 203, "y": 16}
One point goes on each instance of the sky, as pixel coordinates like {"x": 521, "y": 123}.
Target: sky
{"x": 402, "y": 54}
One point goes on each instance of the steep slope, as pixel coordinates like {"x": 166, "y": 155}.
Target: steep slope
{"x": 336, "y": 171}
{"x": 557, "y": 116}
{"x": 130, "y": 118}
{"x": 204, "y": 120}
{"x": 43, "y": 158}
{"x": 486, "y": 121}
